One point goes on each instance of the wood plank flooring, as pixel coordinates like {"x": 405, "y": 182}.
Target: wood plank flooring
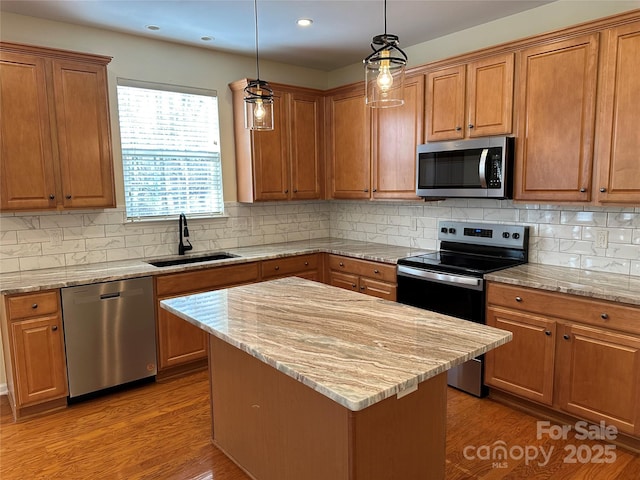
{"x": 162, "y": 431}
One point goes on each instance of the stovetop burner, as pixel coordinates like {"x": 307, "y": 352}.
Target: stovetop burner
{"x": 457, "y": 262}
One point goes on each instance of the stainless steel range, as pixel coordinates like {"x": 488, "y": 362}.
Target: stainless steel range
{"x": 450, "y": 281}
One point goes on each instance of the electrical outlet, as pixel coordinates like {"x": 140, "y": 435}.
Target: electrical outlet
{"x": 602, "y": 238}
{"x": 55, "y": 238}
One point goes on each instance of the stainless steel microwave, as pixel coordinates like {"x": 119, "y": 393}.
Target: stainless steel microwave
{"x": 476, "y": 168}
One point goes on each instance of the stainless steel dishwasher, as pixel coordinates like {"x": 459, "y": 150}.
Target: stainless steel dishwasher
{"x": 110, "y": 334}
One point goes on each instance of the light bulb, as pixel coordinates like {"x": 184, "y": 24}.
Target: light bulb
{"x": 385, "y": 79}
{"x": 259, "y": 111}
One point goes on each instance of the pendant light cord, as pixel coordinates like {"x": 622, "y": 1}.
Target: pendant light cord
{"x": 385, "y": 17}
{"x": 255, "y": 12}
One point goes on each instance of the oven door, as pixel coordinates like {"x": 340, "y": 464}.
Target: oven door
{"x": 449, "y": 294}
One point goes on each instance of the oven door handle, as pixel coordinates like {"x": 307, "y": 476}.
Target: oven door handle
{"x": 440, "y": 277}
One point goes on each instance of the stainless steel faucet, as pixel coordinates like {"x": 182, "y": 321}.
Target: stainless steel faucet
{"x": 184, "y": 235}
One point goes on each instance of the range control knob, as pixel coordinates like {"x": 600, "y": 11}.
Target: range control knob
{"x": 515, "y": 236}
{"x": 506, "y": 234}
{"x": 452, "y": 231}
{"x": 444, "y": 229}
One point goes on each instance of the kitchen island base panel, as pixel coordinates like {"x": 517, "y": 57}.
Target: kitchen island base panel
{"x": 277, "y": 428}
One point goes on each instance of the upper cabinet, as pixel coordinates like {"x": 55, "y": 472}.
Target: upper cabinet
{"x": 618, "y": 137}
{"x": 556, "y": 104}
{"x": 471, "y": 100}
{"x": 56, "y": 139}
{"x": 348, "y": 149}
{"x": 396, "y": 132}
{"x": 284, "y": 163}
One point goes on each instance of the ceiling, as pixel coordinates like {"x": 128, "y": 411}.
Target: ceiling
{"x": 339, "y": 36}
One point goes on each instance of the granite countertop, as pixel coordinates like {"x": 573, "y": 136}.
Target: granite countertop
{"x": 35, "y": 280}
{"x": 355, "y": 349}
{"x": 598, "y": 285}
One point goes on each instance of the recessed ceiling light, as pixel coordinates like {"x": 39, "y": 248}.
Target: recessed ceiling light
{"x": 304, "y": 22}
{"x": 153, "y": 27}
{"x": 207, "y": 38}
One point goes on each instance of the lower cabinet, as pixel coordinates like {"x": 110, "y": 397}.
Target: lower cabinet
{"x": 304, "y": 266}
{"x": 573, "y": 354}
{"x": 34, "y": 352}
{"x": 372, "y": 278}
{"x": 182, "y": 346}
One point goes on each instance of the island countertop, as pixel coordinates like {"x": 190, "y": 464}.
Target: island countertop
{"x": 355, "y": 349}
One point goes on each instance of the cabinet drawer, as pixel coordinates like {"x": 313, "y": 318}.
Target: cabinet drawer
{"x": 379, "y": 271}
{"x": 208, "y": 279}
{"x": 571, "y": 307}
{"x": 344, "y": 280}
{"x": 378, "y": 289}
{"x": 281, "y": 267}
{"x": 33, "y": 304}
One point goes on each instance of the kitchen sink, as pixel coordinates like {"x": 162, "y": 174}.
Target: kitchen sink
{"x": 185, "y": 260}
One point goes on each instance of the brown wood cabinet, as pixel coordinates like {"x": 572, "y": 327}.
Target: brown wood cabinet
{"x": 396, "y": 132}
{"x": 348, "y": 143}
{"x": 556, "y": 104}
{"x": 471, "y": 100}
{"x": 305, "y": 266}
{"x": 577, "y": 355}
{"x": 372, "y": 278}
{"x": 56, "y": 147}
{"x": 618, "y": 137}
{"x": 285, "y": 163}
{"x": 34, "y": 352}
{"x": 182, "y": 346}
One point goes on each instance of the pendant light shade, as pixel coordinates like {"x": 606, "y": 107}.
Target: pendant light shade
{"x": 384, "y": 70}
{"x": 258, "y": 100}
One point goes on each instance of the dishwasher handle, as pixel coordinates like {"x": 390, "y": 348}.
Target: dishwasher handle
{"x": 108, "y": 296}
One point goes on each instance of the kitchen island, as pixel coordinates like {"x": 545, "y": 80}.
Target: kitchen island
{"x": 309, "y": 381}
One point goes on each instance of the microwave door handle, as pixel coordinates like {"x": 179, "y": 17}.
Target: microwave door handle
{"x": 482, "y": 168}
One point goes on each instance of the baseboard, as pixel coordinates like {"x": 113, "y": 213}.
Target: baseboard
{"x": 3, "y": 389}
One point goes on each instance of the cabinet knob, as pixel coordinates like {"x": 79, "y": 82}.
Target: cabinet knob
{"x": 52, "y": 197}
{"x": 277, "y": 267}
{"x": 366, "y": 190}
{"x": 604, "y": 316}
{"x": 286, "y": 191}
{"x": 470, "y": 125}
{"x": 306, "y": 264}
{"x": 362, "y": 287}
{"x": 566, "y": 337}
{"x": 518, "y": 299}
{"x": 458, "y": 129}
{"x": 582, "y": 190}
{"x": 547, "y": 333}
{"x": 34, "y": 306}
{"x": 341, "y": 264}
{"x": 375, "y": 190}
{"x": 376, "y": 271}
{"x": 353, "y": 285}
{"x": 602, "y": 189}
{"x": 54, "y": 328}
{"x": 295, "y": 190}
{"x": 68, "y": 197}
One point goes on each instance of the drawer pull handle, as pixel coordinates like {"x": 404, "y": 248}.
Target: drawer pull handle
{"x": 34, "y": 306}
{"x": 518, "y": 299}
{"x": 54, "y": 328}
{"x": 353, "y": 285}
{"x": 277, "y": 267}
{"x": 306, "y": 264}
{"x": 341, "y": 264}
{"x": 376, "y": 271}
{"x": 604, "y": 316}
{"x": 362, "y": 287}
{"x": 547, "y": 333}
{"x": 566, "y": 337}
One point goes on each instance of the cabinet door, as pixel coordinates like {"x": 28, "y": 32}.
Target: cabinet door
{"x": 40, "y": 360}
{"x": 305, "y": 119}
{"x": 557, "y": 91}
{"x": 524, "y": 366}
{"x": 26, "y": 159}
{"x": 271, "y": 172}
{"x": 445, "y": 104}
{"x": 599, "y": 376}
{"x": 618, "y": 130}
{"x": 375, "y": 288}
{"x": 490, "y": 96}
{"x": 347, "y": 281}
{"x": 348, "y": 149}
{"x": 179, "y": 342}
{"x": 396, "y": 134}
{"x": 84, "y": 135}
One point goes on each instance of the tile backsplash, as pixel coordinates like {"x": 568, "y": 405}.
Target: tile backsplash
{"x": 560, "y": 235}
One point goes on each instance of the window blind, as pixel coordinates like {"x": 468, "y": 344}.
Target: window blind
{"x": 170, "y": 151}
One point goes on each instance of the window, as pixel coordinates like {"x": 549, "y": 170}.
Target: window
{"x": 170, "y": 150}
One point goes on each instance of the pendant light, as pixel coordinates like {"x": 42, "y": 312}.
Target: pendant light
{"x": 384, "y": 70}
{"x": 258, "y": 102}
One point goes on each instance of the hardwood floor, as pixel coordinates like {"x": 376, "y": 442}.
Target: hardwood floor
{"x": 162, "y": 431}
